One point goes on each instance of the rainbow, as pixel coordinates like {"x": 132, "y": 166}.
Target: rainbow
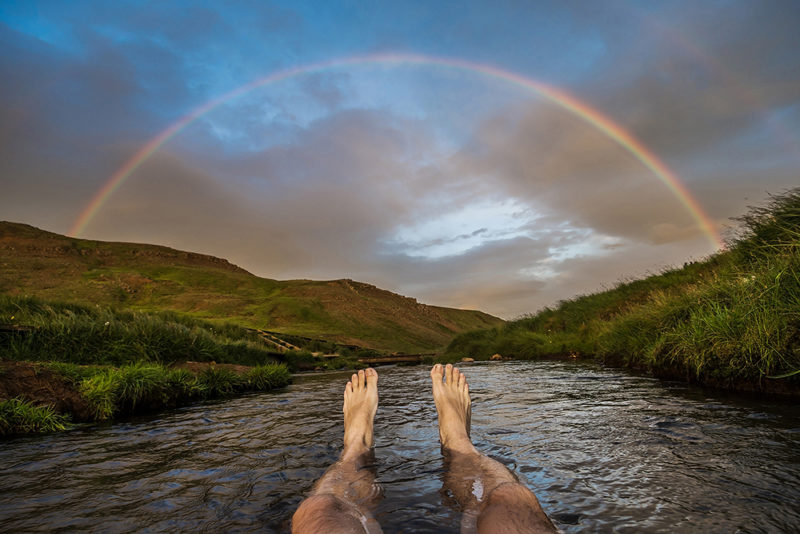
{"x": 556, "y": 96}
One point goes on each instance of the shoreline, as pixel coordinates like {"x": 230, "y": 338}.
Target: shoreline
{"x": 46, "y": 396}
{"x": 61, "y": 393}
{"x": 777, "y": 388}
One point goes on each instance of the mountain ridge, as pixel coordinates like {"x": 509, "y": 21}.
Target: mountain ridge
{"x": 154, "y": 277}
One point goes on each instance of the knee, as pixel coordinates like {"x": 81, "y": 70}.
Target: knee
{"x": 326, "y": 513}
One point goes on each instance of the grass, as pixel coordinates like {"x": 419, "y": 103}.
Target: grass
{"x": 266, "y": 377}
{"x": 145, "y": 387}
{"x": 733, "y": 319}
{"x": 140, "y": 387}
{"x": 20, "y": 417}
{"x": 150, "y": 279}
{"x": 305, "y": 361}
{"x": 79, "y": 334}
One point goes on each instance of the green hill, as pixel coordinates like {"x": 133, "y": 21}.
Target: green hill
{"x": 731, "y": 321}
{"x": 151, "y": 278}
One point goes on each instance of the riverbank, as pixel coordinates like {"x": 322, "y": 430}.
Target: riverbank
{"x": 52, "y": 396}
{"x": 731, "y": 321}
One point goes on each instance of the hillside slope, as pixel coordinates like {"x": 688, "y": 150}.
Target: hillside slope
{"x": 155, "y": 278}
{"x": 731, "y": 321}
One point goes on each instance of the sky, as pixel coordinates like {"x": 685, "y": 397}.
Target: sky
{"x": 500, "y": 156}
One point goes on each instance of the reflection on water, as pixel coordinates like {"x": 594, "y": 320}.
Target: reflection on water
{"x": 603, "y": 451}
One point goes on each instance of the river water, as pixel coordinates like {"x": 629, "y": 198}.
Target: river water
{"x": 603, "y": 450}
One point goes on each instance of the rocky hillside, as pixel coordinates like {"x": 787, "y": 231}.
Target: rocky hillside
{"x": 153, "y": 278}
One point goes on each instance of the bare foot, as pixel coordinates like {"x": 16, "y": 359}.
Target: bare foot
{"x": 451, "y": 395}
{"x": 360, "y": 405}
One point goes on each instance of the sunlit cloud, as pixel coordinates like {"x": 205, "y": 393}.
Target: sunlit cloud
{"x": 449, "y": 186}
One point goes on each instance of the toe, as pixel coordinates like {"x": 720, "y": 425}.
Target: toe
{"x": 354, "y": 381}
{"x": 361, "y": 379}
{"x": 371, "y": 376}
{"x": 448, "y": 374}
{"x": 462, "y": 381}
{"x": 437, "y": 372}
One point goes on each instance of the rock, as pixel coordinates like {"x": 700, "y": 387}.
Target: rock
{"x": 467, "y": 359}
{"x": 496, "y": 358}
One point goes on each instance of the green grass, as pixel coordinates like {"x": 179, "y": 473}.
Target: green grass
{"x": 729, "y": 320}
{"x": 266, "y": 377}
{"x": 20, "y": 417}
{"x": 149, "y": 279}
{"x": 79, "y": 334}
{"x": 146, "y": 387}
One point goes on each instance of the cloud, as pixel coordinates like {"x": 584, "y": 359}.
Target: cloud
{"x": 523, "y": 203}
{"x": 569, "y": 171}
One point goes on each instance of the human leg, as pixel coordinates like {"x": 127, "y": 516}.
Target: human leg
{"x": 491, "y": 497}
{"x": 340, "y": 501}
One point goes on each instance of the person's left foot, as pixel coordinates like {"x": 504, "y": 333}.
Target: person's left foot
{"x": 360, "y": 405}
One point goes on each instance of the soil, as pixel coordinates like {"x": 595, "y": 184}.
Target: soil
{"x": 38, "y": 385}
{"x": 199, "y": 367}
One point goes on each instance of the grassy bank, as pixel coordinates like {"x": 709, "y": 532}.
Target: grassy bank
{"x": 105, "y": 392}
{"x": 18, "y": 416}
{"x": 731, "y": 321}
{"x": 86, "y": 335}
{"x": 97, "y": 335}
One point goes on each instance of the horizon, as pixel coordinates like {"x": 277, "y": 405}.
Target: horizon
{"x": 497, "y": 158}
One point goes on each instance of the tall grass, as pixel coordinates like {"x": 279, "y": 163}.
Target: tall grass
{"x": 266, "y": 377}
{"x": 18, "y": 416}
{"x": 85, "y": 335}
{"x": 732, "y": 319}
{"x": 146, "y": 387}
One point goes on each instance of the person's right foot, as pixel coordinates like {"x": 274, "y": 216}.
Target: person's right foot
{"x": 451, "y": 395}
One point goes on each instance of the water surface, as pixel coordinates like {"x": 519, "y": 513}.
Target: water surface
{"x": 604, "y": 452}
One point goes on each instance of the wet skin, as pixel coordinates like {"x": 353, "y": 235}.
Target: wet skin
{"x": 491, "y": 497}
{"x": 341, "y": 501}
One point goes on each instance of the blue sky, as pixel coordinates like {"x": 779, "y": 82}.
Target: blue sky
{"x": 444, "y": 184}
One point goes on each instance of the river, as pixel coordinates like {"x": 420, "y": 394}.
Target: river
{"x": 603, "y": 450}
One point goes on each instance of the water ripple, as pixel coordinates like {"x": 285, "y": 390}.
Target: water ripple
{"x": 604, "y": 452}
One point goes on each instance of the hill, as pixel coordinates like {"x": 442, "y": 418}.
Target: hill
{"x": 152, "y": 278}
{"x": 732, "y": 321}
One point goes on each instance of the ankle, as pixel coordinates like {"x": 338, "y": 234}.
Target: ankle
{"x": 354, "y": 451}
{"x": 461, "y": 444}
{"x": 355, "y": 446}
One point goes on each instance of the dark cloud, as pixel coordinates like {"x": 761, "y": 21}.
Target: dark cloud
{"x": 573, "y": 172}
{"x": 304, "y": 182}
{"x": 698, "y": 76}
